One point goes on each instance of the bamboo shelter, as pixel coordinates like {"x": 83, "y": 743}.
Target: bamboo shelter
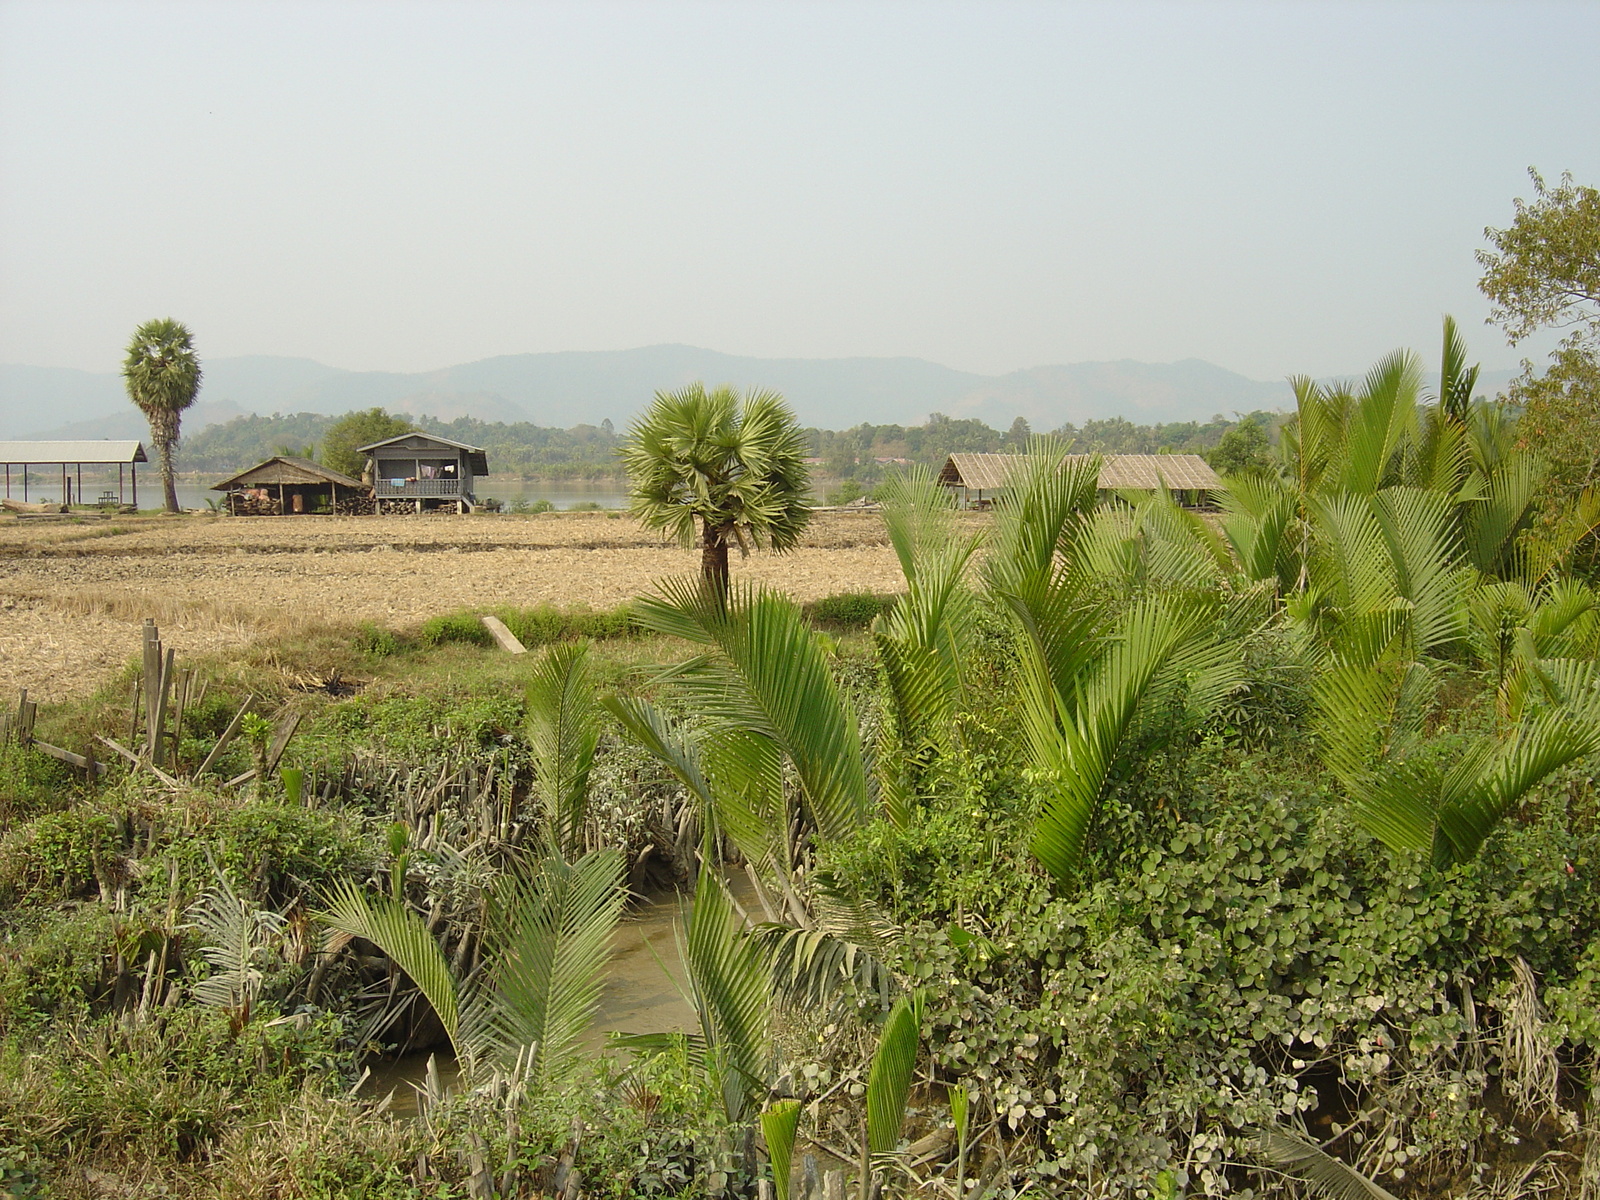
{"x": 978, "y": 479}
{"x": 285, "y": 484}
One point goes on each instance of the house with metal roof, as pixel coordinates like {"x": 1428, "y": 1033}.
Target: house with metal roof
{"x": 422, "y": 469}
{"x": 64, "y": 462}
{"x": 285, "y": 484}
{"x": 980, "y": 478}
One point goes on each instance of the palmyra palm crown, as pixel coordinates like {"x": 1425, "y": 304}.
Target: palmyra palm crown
{"x": 162, "y": 374}
{"x": 729, "y": 467}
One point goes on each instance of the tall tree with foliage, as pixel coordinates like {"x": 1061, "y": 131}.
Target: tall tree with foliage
{"x": 729, "y": 466}
{"x": 1544, "y": 273}
{"x": 162, "y": 374}
{"x": 360, "y": 428}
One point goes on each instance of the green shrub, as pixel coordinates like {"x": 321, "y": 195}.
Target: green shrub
{"x": 460, "y": 626}
{"x": 586, "y": 506}
{"x": 537, "y": 626}
{"x": 162, "y": 1090}
{"x": 374, "y": 641}
{"x": 54, "y": 856}
{"x": 545, "y": 624}
{"x": 849, "y": 610}
{"x": 55, "y": 966}
{"x": 1240, "y": 955}
{"x": 31, "y": 783}
{"x": 273, "y": 850}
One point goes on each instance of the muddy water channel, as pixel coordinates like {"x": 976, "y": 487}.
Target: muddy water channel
{"x": 645, "y": 992}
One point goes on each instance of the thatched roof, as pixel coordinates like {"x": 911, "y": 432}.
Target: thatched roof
{"x": 288, "y": 470}
{"x": 1139, "y": 472}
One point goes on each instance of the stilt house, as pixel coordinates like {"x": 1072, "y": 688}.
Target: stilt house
{"x": 433, "y": 472}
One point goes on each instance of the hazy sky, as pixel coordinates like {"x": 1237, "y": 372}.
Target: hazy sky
{"x": 1273, "y": 187}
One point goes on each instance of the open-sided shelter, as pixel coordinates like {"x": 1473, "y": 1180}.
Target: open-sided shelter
{"x": 99, "y": 455}
{"x": 286, "y": 484}
{"x": 434, "y": 472}
{"x": 978, "y": 479}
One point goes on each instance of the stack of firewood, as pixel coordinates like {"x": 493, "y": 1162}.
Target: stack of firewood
{"x": 355, "y": 506}
{"x": 243, "y": 504}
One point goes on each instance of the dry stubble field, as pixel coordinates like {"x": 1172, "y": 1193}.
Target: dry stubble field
{"x": 73, "y": 593}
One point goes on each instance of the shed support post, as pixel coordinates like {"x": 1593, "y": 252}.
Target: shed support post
{"x": 133, "y": 471}
{"x": 119, "y": 485}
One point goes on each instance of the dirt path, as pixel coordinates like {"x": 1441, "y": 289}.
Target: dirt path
{"x": 72, "y": 595}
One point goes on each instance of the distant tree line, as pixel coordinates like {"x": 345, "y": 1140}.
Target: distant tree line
{"x": 864, "y": 455}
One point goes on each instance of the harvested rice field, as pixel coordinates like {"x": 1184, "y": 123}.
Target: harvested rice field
{"x": 74, "y": 593}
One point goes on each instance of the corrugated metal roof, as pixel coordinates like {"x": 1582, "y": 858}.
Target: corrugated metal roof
{"x": 86, "y": 451}
{"x": 477, "y": 459}
{"x": 1146, "y": 472}
{"x": 288, "y": 469}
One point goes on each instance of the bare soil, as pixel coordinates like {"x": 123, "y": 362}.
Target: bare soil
{"x": 73, "y": 593}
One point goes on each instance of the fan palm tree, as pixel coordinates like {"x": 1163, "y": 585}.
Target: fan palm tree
{"x": 162, "y": 375}
{"x": 729, "y": 467}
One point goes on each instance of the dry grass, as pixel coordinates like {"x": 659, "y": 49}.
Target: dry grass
{"x": 72, "y": 596}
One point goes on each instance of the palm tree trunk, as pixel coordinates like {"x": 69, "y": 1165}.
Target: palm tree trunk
{"x": 164, "y": 434}
{"x": 714, "y": 558}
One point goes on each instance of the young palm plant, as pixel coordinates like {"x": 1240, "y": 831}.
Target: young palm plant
{"x": 546, "y": 941}
{"x": 563, "y": 726}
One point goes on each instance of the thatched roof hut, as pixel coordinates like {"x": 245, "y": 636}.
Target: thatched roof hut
{"x": 981, "y": 477}
{"x": 285, "y": 483}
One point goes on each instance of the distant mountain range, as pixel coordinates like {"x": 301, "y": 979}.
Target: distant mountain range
{"x": 578, "y": 387}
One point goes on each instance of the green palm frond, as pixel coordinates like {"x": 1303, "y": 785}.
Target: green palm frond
{"x": 889, "y": 1080}
{"x": 549, "y": 928}
{"x": 1423, "y": 553}
{"x": 732, "y": 995}
{"x": 770, "y": 679}
{"x": 563, "y": 729}
{"x": 1075, "y": 737}
{"x": 848, "y": 942}
{"x": 1505, "y": 508}
{"x": 779, "y": 1125}
{"x": 1046, "y": 509}
{"x": 235, "y": 937}
{"x": 161, "y": 369}
{"x": 1457, "y": 381}
{"x": 1325, "y": 1174}
{"x": 1382, "y": 424}
{"x": 1258, "y": 514}
{"x": 1482, "y": 788}
{"x": 402, "y": 935}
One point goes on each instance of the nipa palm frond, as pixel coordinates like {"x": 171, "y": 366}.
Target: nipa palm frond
{"x": 563, "y": 730}
{"x": 732, "y": 994}
{"x": 889, "y": 1080}
{"x": 401, "y": 934}
{"x": 549, "y": 929}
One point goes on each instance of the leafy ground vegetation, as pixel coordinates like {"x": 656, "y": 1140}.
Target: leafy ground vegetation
{"x": 1128, "y": 851}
